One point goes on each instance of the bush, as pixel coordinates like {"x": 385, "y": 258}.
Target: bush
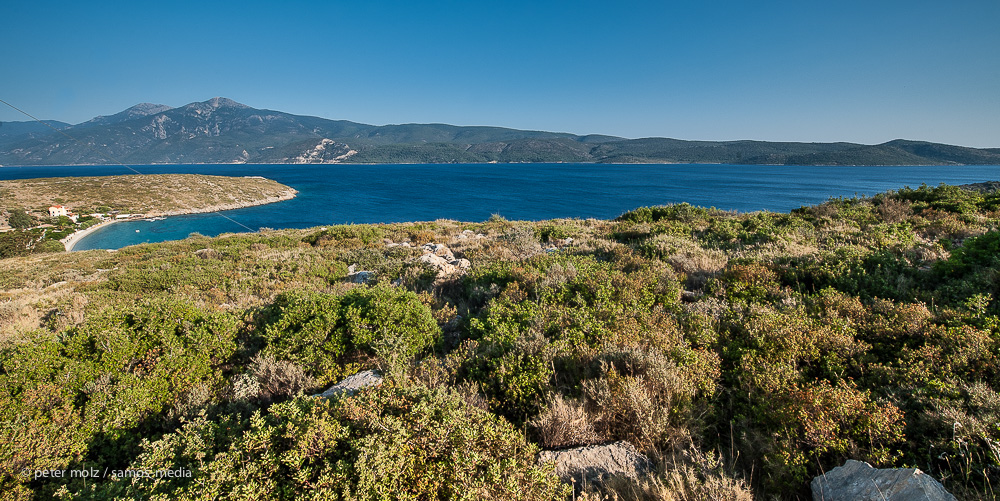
{"x": 320, "y": 331}
{"x": 387, "y": 443}
{"x": 94, "y": 392}
{"x": 20, "y": 220}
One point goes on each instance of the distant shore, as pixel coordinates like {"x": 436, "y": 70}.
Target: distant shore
{"x": 288, "y": 195}
{"x": 73, "y": 239}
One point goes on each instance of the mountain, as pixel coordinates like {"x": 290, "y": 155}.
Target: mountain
{"x": 221, "y": 130}
{"x": 15, "y": 132}
{"x": 137, "y": 111}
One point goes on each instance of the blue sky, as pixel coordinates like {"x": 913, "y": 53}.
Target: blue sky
{"x": 855, "y": 71}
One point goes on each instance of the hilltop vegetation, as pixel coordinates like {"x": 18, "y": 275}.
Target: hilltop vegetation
{"x": 153, "y": 194}
{"x": 223, "y": 131}
{"x": 745, "y": 353}
{"x": 26, "y": 202}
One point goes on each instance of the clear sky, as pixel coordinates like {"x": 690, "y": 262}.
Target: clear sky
{"x": 860, "y": 71}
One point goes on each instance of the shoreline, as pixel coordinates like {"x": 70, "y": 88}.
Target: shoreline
{"x": 74, "y": 238}
{"x": 70, "y": 241}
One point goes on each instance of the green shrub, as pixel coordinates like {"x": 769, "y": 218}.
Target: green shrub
{"x": 318, "y": 330}
{"x": 388, "y": 443}
{"x": 20, "y": 220}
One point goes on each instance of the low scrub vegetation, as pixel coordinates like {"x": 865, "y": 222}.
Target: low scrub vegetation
{"x": 743, "y": 353}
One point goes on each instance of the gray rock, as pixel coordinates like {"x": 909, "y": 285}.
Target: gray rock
{"x": 462, "y": 264}
{"x": 352, "y": 384}
{"x": 207, "y": 253}
{"x": 859, "y": 481}
{"x": 595, "y": 463}
{"x": 440, "y": 250}
{"x": 361, "y": 277}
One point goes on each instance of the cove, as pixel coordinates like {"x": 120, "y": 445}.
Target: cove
{"x": 345, "y": 193}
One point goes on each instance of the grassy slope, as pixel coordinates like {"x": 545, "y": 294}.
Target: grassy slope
{"x": 154, "y": 193}
{"x": 859, "y": 328}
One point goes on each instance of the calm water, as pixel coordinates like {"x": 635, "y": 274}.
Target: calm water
{"x": 336, "y": 194}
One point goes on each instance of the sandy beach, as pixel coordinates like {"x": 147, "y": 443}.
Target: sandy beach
{"x": 71, "y": 240}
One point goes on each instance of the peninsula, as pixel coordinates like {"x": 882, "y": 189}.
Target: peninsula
{"x": 66, "y": 209}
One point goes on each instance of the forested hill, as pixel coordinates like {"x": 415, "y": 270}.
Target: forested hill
{"x": 223, "y": 131}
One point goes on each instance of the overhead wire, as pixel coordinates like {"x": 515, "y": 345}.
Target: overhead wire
{"x": 106, "y": 156}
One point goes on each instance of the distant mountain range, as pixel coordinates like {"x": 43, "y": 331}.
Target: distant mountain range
{"x": 223, "y": 131}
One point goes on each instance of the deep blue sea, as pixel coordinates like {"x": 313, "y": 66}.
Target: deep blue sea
{"x": 337, "y": 194}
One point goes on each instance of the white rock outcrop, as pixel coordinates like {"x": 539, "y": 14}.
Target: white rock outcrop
{"x": 440, "y": 257}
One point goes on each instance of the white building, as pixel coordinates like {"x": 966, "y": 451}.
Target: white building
{"x": 58, "y": 210}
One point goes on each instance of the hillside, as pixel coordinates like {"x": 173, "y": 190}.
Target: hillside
{"x": 27, "y": 227}
{"x": 743, "y": 354}
{"x": 223, "y": 131}
{"x": 153, "y": 194}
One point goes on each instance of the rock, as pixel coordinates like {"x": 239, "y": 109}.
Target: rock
{"x": 207, "y": 253}
{"x": 595, "y": 463}
{"x": 857, "y": 480}
{"x": 439, "y": 256}
{"x": 443, "y": 266}
{"x": 361, "y": 277}
{"x": 439, "y": 250}
{"x": 352, "y": 384}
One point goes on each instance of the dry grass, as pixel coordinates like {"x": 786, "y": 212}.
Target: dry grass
{"x": 41, "y": 290}
{"x": 565, "y": 423}
{"x": 148, "y": 194}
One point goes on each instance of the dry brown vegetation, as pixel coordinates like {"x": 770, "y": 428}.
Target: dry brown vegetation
{"x": 152, "y": 194}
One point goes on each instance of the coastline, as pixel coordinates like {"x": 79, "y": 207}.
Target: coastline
{"x": 287, "y": 195}
{"x": 74, "y": 238}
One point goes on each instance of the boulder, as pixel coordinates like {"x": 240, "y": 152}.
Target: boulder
{"x": 859, "y": 481}
{"x": 443, "y": 266}
{"x": 595, "y": 463}
{"x": 352, "y": 384}
{"x": 361, "y": 277}
{"x": 439, "y": 250}
{"x": 207, "y": 253}
{"x": 439, "y": 256}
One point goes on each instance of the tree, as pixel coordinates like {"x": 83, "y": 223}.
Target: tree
{"x": 15, "y": 243}
{"x": 20, "y": 219}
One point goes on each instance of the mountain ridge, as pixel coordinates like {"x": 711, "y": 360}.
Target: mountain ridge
{"x": 221, "y": 130}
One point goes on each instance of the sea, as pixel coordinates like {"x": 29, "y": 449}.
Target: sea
{"x": 345, "y": 194}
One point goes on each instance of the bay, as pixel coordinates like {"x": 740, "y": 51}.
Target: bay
{"x": 343, "y": 193}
